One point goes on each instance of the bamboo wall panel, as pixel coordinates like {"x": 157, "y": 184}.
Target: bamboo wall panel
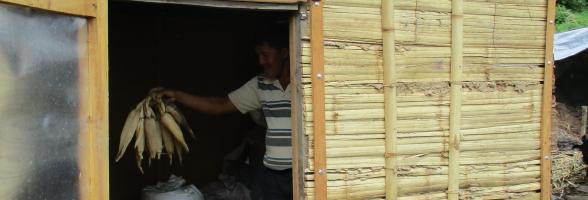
{"x": 503, "y": 57}
{"x": 428, "y": 22}
{"x": 495, "y": 120}
{"x": 360, "y": 62}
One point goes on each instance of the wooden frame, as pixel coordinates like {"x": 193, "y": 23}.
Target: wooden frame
{"x": 238, "y": 4}
{"x": 298, "y": 139}
{"x": 547, "y": 104}
{"x": 82, "y": 8}
{"x": 98, "y": 99}
{"x": 93, "y": 75}
{"x": 318, "y": 99}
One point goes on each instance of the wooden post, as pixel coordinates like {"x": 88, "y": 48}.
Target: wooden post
{"x": 584, "y": 116}
{"x": 298, "y": 156}
{"x": 546, "y": 105}
{"x": 456, "y": 97}
{"x": 98, "y": 119}
{"x": 390, "y": 111}
{"x": 82, "y": 8}
{"x": 318, "y": 99}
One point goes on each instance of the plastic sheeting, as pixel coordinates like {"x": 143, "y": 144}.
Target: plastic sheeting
{"x": 570, "y": 43}
{"x": 39, "y": 103}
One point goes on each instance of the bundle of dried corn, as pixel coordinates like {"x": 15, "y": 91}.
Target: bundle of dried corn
{"x": 567, "y": 169}
{"x": 160, "y": 126}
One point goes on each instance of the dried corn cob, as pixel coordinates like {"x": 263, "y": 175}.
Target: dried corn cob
{"x": 127, "y": 133}
{"x": 160, "y": 126}
{"x": 168, "y": 143}
{"x": 153, "y": 135}
{"x": 139, "y": 158}
{"x": 140, "y": 142}
{"x": 179, "y": 151}
{"x": 175, "y": 112}
{"x": 168, "y": 121}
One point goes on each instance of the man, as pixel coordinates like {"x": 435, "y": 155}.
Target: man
{"x": 269, "y": 92}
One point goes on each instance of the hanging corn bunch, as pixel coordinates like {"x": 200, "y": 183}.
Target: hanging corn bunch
{"x": 160, "y": 126}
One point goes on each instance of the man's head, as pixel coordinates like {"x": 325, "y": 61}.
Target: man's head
{"x": 272, "y": 53}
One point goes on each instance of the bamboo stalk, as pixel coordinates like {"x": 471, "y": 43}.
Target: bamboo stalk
{"x": 363, "y": 27}
{"x": 375, "y": 89}
{"x": 365, "y": 191}
{"x": 472, "y": 98}
{"x": 525, "y": 131}
{"x": 456, "y": 98}
{"x": 437, "y": 183}
{"x": 375, "y": 194}
{"x": 427, "y": 196}
{"x": 336, "y": 142}
{"x": 435, "y": 159}
{"x": 433, "y": 141}
{"x": 526, "y": 110}
{"x": 416, "y": 170}
{"x": 433, "y": 66}
{"x": 404, "y": 76}
{"x": 437, "y": 5}
{"x": 412, "y": 184}
{"x": 470, "y": 8}
{"x": 433, "y": 127}
{"x": 427, "y": 148}
{"x": 436, "y": 110}
{"x": 408, "y": 107}
{"x": 478, "y": 191}
{"x": 364, "y": 51}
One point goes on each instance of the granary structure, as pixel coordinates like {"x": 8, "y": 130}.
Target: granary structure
{"x": 403, "y": 99}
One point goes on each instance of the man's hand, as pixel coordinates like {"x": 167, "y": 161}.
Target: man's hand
{"x": 160, "y": 92}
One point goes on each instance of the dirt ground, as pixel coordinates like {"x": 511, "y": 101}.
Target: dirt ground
{"x": 566, "y": 127}
{"x": 568, "y": 173}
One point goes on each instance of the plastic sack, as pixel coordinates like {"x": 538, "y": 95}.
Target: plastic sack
{"x": 173, "y": 189}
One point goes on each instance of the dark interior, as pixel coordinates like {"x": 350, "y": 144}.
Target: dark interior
{"x": 571, "y": 81}
{"x": 200, "y": 50}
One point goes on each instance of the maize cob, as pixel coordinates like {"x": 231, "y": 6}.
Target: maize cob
{"x": 127, "y": 133}
{"x": 179, "y": 151}
{"x": 159, "y": 129}
{"x": 139, "y": 158}
{"x": 153, "y": 136}
{"x": 140, "y": 133}
{"x": 168, "y": 121}
{"x": 168, "y": 143}
{"x": 140, "y": 137}
{"x": 175, "y": 112}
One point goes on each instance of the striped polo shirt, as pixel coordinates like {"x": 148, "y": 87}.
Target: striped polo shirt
{"x": 269, "y": 96}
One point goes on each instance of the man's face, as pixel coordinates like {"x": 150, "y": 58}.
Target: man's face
{"x": 271, "y": 59}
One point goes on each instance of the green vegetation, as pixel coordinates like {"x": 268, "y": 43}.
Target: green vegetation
{"x": 571, "y": 14}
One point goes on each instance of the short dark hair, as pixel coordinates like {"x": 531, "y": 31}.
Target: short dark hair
{"x": 275, "y": 36}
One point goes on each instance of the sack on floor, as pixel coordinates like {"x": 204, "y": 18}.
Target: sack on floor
{"x": 174, "y": 189}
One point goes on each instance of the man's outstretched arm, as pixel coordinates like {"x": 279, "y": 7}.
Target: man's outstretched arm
{"x": 210, "y": 105}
